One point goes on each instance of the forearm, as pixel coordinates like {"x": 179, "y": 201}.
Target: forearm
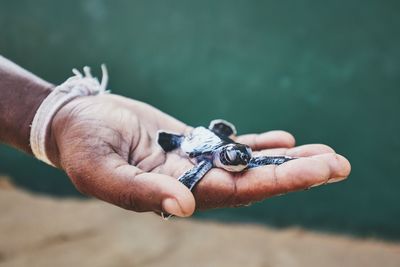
{"x": 21, "y": 94}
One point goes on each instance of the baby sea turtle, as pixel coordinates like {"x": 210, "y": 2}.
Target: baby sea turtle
{"x": 213, "y": 147}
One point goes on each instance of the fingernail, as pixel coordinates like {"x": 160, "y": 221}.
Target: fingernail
{"x": 335, "y": 180}
{"x": 318, "y": 184}
{"x": 171, "y": 206}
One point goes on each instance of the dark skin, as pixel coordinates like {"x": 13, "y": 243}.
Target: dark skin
{"x": 20, "y": 96}
{"x": 90, "y": 141}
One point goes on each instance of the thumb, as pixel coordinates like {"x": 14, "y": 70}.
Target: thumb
{"x": 113, "y": 180}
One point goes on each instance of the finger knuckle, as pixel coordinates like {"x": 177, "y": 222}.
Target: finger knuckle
{"x": 326, "y": 149}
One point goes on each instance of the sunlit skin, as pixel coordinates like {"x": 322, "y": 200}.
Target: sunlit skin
{"x": 107, "y": 146}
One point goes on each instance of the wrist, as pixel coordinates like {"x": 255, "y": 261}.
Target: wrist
{"x": 59, "y": 123}
{"x": 21, "y": 94}
{"x": 43, "y": 139}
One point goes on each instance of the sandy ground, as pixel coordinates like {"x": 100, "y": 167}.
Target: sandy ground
{"x": 43, "y": 231}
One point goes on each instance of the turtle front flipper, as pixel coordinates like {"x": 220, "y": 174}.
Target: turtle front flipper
{"x": 222, "y": 127}
{"x": 191, "y": 177}
{"x": 194, "y": 175}
{"x": 268, "y": 160}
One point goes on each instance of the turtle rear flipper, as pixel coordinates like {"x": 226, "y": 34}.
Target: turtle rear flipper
{"x": 222, "y": 127}
{"x": 169, "y": 141}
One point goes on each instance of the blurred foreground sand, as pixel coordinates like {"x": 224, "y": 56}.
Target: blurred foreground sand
{"x": 43, "y": 231}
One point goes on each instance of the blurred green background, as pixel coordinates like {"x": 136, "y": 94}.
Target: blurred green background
{"x": 327, "y": 71}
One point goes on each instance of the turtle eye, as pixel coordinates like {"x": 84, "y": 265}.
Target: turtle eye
{"x": 231, "y": 153}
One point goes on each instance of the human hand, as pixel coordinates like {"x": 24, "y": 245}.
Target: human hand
{"x": 107, "y": 146}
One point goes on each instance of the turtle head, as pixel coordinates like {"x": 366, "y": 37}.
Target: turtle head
{"x": 235, "y": 157}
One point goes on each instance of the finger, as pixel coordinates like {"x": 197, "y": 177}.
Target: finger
{"x": 220, "y": 189}
{"x": 269, "y": 139}
{"x": 299, "y": 151}
{"x": 295, "y": 175}
{"x": 114, "y": 180}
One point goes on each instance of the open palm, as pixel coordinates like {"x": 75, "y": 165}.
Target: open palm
{"x": 107, "y": 146}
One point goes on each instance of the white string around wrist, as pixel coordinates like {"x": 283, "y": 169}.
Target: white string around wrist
{"x": 73, "y": 87}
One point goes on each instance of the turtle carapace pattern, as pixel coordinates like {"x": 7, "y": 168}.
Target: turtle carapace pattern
{"x": 213, "y": 147}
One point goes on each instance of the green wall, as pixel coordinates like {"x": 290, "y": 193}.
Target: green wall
{"x": 327, "y": 71}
